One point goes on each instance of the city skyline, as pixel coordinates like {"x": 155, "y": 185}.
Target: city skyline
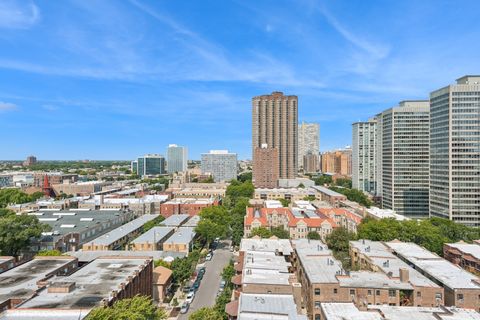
{"x": 115, "y": 85}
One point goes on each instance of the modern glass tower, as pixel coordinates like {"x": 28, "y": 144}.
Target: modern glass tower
{"x": 364, "y": 176}
{"x": 177, "y": 158}
{"x": 403, "y": 138}
{"x": 150, "y": 164}
{"x": 455, "y": 151}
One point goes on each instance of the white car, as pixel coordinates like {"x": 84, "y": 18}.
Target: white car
{"x": 190, "y": 297}
{"x": 208, "y": 257}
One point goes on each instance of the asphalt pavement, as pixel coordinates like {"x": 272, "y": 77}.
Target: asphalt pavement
{"x": 207, "y": 292}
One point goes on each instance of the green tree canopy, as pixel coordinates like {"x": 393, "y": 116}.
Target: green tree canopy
{"x": 137, "y": 308}
{"x": 280, "y": 233}
{"x": 284, "y": 202}
{"x": 206, "y": 314}
{"x": 339, "y": 239}
{"x": 313, "y": 235}
{"x": 245, "y": 176}
{"x": 354, "y": 195}
{"x": 16, "y": 232}
{"x": 237, "y": 189}
{"x": 262, "y": 232}
{"x": 49, "y": 253}
{"x": 15, "y": 196}
{"x": 153, "y": 223}
{"x": 323, "y": 179}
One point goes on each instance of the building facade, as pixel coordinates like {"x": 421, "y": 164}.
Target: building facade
{"x": 455, "y": 152}
{"x": 404, "y": 158}
{"x": 275, "y": 123}
{"x": 151, "y": 164}
{"x": 364, "y": 155}
{"x": 266, "y": 168}
{"x": 311, "y": 163}
{"x": 221, "y": 164}
{"x": 308, "y": 141}
{"x": 177, "y": 158}
{"x": 338, "y": 161}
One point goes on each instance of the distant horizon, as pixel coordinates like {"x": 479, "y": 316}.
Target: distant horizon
{"x": 118, "y": 79}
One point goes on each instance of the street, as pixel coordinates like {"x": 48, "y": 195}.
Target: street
{"x": 207, "y": 292}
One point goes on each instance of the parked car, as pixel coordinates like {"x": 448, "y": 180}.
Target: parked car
{"x": 200, "y": 276}
{"x": 184, "y": 308}
{"x": 209, "y": 256}
{"x": 222, "y": 284}
{"x": 186, "y": 289}
{"x": 196, "y": 284}
{"x": 201, "y": 270}
{"x": 217, "y": 239}
{"x": 190, "y": 296}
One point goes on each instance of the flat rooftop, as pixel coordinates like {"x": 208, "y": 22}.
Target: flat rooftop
{"x": 175, "y": 220}
{"x": 268, "y": 307}
{"x": 192, "y": 222}
{"x": 327, "y": 191}
{"x": 92, "y": 283}
{"x": 348, "y": 311}
{"x": 374, "y": 280}
{"x": 421, "y": 313}
{"x": 318, "y": 263}
{"x": 120, "y": 232}
{"x": 282, "y": 246}
{"x": 285, "y": 190}
{"x": 182, "y": 235}
{"x": 47, "y": 314}
{"x": 203, "y": 201}
{"x": 88, "y": 256}
{"x": 443, "y": 271}
{"x": 154, "y": 235}
{"x": 467, "y": 248}
{"x": 265, "y": 260}
{"x": 21, "y": 282}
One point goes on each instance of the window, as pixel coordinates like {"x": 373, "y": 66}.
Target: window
{"x": 392, "y": 293}
{"x": 369, "y": 292}
{"x": 317, "y": 317}
{"x": 378, "y": 292}
{"x": 335, "y": 291}
{"x": 419, "y": 294}
{"x": 439, "y": 296}
{"x": 317, "y": 304}
{"x": 352, "y": 292}
{"x": 460, "y": 296}
{"x": 317, "y": 291}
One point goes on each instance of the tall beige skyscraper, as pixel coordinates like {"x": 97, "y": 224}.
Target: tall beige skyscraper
{"x": 308, "y": 141}
{"x": 275, "y": 123}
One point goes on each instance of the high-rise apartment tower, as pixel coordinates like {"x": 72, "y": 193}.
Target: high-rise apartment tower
{"x": 308, "y": 141}
{"x": 364, "y": 155}
{"x": 275, "y": 123}
{"x": 177, "y": 158}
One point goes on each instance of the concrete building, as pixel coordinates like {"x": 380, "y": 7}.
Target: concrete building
{"x": 275, "y": 123}
{"x": 180, "y": 241}
{"x": 30, "y": 161}
{"x": 188, "y": 206}
{"x": 364, "y": 176}
{"x": 120, "y": 236}
{"x": 177, "y": 158}
{"x": 79, "y": 188}
{"x": 403, "y": 158}
{"x": 151, "y": 165}
{"x": 337, "y": 162}
{"x": 464, "y": 255}
{"x": 70, "y": 229}
{"x": 290, "y": 194}
{"x": 152, "y": 240}
{"x": 54, "y": 178}
{"x": 308, "y": 141}
{"x": 311, "y": 163}
{"x": 266, "y": 167}
{"x": 330, "y": 196}
{"x": 462, "y": 289}
{"x": 377, "y": 213}
{"x": 99, "y": 283}
{"x": 221, "y": 164}
{"x": 454, "y": 151}
{"x": 25, "y": 281}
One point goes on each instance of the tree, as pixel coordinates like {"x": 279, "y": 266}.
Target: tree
{"x": 354, "y": 195}
{"x": 209, "y": 180}
{"x": 153, "y": 223}
{"x": 162, "y": 263}
{"x": 313, "y": 235}
{"x": 237, "y": 189}
{"x": 138, "y": 308}
{"x": 16, "y": 232}
{"x": 15, "y": 196}
{"x": 261, "y": 232}
{"x": 344, "y": 182}
{"x": 206, "y": 314}
{"x": 301, "y": 185}
{"x": 339, "y": 239}
{"x": 284, "y": 202}
{"x": 280, "y": 233}
{"x": 322, "y": 180}
{"x": 245, "y": 176}
{"x": 209, "y": 230}
{"x": 49, "y": 253}
{"x": 309, "y": 198}
{"x": 5, "y": 212}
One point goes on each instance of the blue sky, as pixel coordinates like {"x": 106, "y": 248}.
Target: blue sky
{"x": 116, "y": 79}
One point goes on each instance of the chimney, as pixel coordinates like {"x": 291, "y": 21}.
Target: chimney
{"x": 404, "y": 275}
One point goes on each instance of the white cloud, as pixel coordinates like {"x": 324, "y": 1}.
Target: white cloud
{"x": 18, "y": 14}
{"x": 6, "y": 106}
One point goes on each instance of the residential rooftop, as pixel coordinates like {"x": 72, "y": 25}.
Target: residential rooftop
{"x": 368, "y": 279}
{"x": 282, "y": 246}
{"x": 47, "y": 314}
{"x": 175, "y": 220}
{"x": 21, "y": 282}
{"x": 92, "y": 283}
{"x": 268, "y": 307}
{"x": 443, "y": 271}
{"x": 190, "y": 201}
{"x": 88, "y": 256}
{"x": 467, "y": 248}
{"x": 327, "y": 191}
{"x": 154, "y": 235}
{"x": 182, "y": 235}
{"x": 347, "y": 311}
{"x": 124, "y": 230}
{"x": 192, "y": 222}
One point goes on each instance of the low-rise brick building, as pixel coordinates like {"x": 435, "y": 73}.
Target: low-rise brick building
{"x": 464, "y": 255}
